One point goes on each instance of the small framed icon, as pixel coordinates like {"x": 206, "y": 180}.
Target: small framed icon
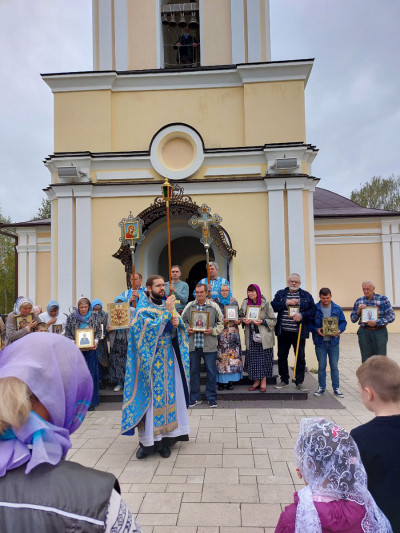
{"x": 253, "y": 312}
{"x": 293, "y": 310}
{"x": 21, "y": 321}
{"x": 330, "y": 326}
{"x": 84, "y": 338}
{"x": 199, "y": 320}
{"x": 56, "y": 328}
{"x": 132, "y": 230}
{"x": 231, "y": 312}
{"x": 118, "y": 315}
{"x": 369, "y": 313}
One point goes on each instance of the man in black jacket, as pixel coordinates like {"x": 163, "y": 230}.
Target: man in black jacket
{"x": 294, "y": 307}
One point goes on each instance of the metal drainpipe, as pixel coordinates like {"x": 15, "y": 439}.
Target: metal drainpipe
{"x": 15, "y": 237}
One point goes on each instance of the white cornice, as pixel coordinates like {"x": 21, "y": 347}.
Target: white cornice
{"x": 236, "y": 76}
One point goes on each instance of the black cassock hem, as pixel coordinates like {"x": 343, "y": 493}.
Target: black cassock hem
{"x": 165, "y": 442}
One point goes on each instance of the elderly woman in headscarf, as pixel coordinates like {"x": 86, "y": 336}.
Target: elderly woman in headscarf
{"x": 23, "y": 306}
{"x": 229, "y": 351}
{"x": 336, "y": 498}
{"x": 259, "y": 337}
{"x": 45, "y": 390}
{"x": 82, "y": 318}
{"x": 53, "y": 315}
{"x": 102, "y": 347}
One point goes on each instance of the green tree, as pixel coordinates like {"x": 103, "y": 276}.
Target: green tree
{"x": 44, "y": 210}
{"x": 7, "y": 268}
{"x": 379, "y": 193}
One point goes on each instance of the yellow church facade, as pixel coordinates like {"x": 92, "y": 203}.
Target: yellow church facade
{"x": 228, "y": 130}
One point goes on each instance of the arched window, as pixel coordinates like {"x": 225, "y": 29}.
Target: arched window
{"x": 181, "y": 34}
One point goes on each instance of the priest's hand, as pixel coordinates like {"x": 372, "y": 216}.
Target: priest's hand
{"x": 175, "y": 321}
{"x": 170, "y": 303}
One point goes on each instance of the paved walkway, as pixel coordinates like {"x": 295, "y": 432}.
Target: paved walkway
{"x": 237, "y": 472}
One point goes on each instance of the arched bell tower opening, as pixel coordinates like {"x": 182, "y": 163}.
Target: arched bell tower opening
{"x": 151, "y": 256}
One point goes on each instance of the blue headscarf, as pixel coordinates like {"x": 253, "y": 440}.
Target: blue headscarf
{"x": 118, "y": 299}
{"x": 53, "y": 303}
{"x": 224, "y": 301}
{"x": 95, "y": 302}
{"x": 83, "y": 319}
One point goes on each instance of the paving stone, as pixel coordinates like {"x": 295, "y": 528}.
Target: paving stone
{"x": 265, "y": 442}
{"x": 108, "y": 460}
{"x": 191, "y": 497}
{"x": 195, "y": 479}
{"x": 87, "y": 457}
{"x": 138, "y": 472}
{"x": 221, "y": 475}
{"x": 174, "y": 529}
{"x": 241, "y": 530}
{"x": 260, "y": 514}
{"x": 163, "y": 503}
{"x": 230, "y": 493}
{"x": 157, "y": 519}
{"x": 169, "y": 479}
{"x": 272, "y": 430}
{"x": 209, "y": 514}
{"x": 237, "y": 461}
{"x": 148, "y": 487}
{"x": 223, "y": 437}
{"x": 212, "y": 448}
{"x": 184, "y": 487}
{"x": 133, "y": 501}
{"x": 280, "y": 494}
{"x": 198, "y": 460}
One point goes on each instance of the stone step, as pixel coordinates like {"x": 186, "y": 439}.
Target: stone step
{"x": 240, "y": 392}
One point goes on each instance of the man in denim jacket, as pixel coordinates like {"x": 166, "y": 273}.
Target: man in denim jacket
{"x": 327, "y": 346}
{"x": 287, "y": 328}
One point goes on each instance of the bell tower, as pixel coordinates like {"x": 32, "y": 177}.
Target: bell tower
{"x": 143, "y": 34}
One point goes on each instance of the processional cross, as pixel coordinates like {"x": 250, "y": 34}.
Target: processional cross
{"x": 204, "y": 220}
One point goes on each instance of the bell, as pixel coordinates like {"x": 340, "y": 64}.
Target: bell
{"x": 172, "y": 21}
{"x": 164, "y": 19}
{"x": 182, "y": 21}
{"x": 193, "y": 23}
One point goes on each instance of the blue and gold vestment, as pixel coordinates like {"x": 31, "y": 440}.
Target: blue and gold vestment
{"x": 150, "y": 368}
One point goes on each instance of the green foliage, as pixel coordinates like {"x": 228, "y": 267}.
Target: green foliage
{"x": 6, "y": 268}
{"x": 379, "y": 193}
{"x": 44, "y": 210}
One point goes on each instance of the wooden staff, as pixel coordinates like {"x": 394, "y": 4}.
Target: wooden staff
{"x": 207, "y": 247}
{"x": 169, "y": 244}
{"x": 295, "y": 357}
{"x": 133, "y": 272}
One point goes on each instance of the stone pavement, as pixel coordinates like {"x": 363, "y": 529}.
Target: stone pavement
{"x": 237, "y": 472}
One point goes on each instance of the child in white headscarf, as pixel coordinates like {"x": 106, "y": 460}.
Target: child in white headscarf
{"x": 336, "y": 497}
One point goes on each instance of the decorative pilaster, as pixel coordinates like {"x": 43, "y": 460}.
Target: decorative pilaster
{"x": 83, "y": 240}
{"x": 66, "y": 248}
{"x": 276, "y": 223}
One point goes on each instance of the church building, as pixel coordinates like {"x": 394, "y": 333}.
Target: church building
{"x": 188, "y": 92}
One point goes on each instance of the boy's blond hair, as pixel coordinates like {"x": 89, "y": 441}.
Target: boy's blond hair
{"x": 382, "y": 375}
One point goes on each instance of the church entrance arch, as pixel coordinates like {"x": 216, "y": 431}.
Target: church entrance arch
{"x": 151, "y": 256}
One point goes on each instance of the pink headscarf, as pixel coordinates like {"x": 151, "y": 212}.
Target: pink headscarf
{"x": 258, "y": 291}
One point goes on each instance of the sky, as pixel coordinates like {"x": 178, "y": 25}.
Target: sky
{"x": 352, "y": 97}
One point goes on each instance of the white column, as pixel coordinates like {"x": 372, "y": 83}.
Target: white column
{"x": 387, "y": 260}
{"x": 253, "y": 31}
{"x": 201, "y": 36}
{"x": 105, "y": 35}
{"x": 22, "y": 249}
{"x": 313, "y": 266}
{"x": 296, "y": 227}
{"x": 32, "y": 250}
{"x": 83, "y": 241}
{"x": 237, "y": 31}
{"x": 66, "y": 249}
{"x": 396, "y": 262}
{"x": 276, "y": 221}
{"x": 267, "y": 32}
{"x": 121, "y": 34}
{"x": 51, "y": 196}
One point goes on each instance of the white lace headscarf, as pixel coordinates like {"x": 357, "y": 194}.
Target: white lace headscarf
{"x": 329, "y": 460}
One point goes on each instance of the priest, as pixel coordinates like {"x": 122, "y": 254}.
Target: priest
{"x": 156, "y": 391}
